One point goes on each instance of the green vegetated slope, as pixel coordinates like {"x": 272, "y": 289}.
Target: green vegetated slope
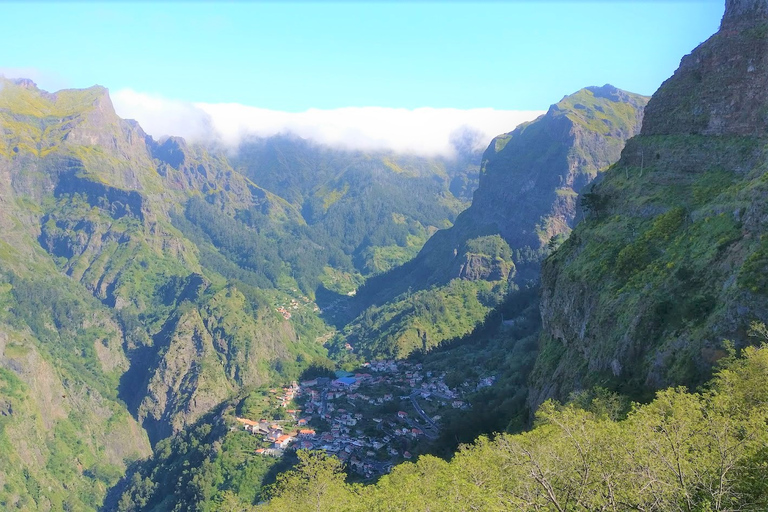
{"x": 65, "y": 435}
{"x": 668, "y": 264}
{"x": 139, "y": 283}
{"x": 524, "y": 206}
{"x": 504, "y": 346}
{"x": 671, "y": 260}
{"x": 111, "y": 319}
{"x": 212, "y": 465}
{"x": 682, "y": 451}
{"x": 378, "y": 208}
{"x": 419, "y": 320}
{"x": 144, "y": 278}
{"x": 464, "y": 309}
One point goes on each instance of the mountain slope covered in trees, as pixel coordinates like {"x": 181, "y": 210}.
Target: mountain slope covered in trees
{"x": 485, "y": 333}
{"x": 149, "y": 289}
{"x": 659, "y": 286}
{"x": 664, "y": 269}
{"x": 114, "y": 332}
{"x": 378, "y": 207}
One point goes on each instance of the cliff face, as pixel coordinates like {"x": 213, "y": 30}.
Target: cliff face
{"x": 104, "y": 302}
{"x": 203, "y": 356}
{"x": 743, "y": 13}
{"x": 720, "y": 88}
{"x": 526, "y": 198}
{"x": 531, "y": 176}
{"x": 529, "y": 181}
{"x": 671, "y": 259}
{"x": 65, "y": 438}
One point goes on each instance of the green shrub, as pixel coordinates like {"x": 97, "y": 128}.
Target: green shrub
{"x": 754, "y": 273}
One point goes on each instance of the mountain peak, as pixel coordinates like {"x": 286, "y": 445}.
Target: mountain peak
{"x": 593, "y": 94}
{"x": 25, "y": 83}
{"x": 608, "y": 92}
{"x": 744, "y": 12}
{"x": 721, "y": 88}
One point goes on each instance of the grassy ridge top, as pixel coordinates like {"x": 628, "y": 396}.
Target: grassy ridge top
{"x": 23, "y": 99}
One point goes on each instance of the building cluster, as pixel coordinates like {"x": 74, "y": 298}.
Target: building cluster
{"x": 351, "y": 416}
{"x": 294, "y": 304}
{"x": 286, "y": 396}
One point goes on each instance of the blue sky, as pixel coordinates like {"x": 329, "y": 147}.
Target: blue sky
{"x": 505, "y": 55}
{"x": 290, "y": 57}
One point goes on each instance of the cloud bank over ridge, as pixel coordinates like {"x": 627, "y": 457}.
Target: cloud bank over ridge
{"x": 423, "y": 131}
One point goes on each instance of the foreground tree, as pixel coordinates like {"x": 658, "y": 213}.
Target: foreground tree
{"x": 684, "y": 451}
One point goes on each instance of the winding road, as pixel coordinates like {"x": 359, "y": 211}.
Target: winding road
{"x": 424, "y": 415}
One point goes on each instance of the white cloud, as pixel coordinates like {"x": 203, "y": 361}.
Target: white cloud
{"x": 160, "y": 116}
{"x": 423, "y": 131}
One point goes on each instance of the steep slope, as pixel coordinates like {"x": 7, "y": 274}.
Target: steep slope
{"x": 671, "y": 260}
{"x": 378, "y": 207}
{"x": 526, "y": 200}
{"x": 65, "y": 437}
{"x": 580, "y": 456}
{"x": 111, "y": 318}
{"x": 530, "y": 178}
{"x": 169, "y": 267}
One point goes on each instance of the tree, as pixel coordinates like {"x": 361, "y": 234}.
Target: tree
{"x": 317, "y": 484}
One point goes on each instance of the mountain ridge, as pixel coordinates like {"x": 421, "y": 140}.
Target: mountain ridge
{"x": 526, "y": 199}
{"x": 149, "y": 281}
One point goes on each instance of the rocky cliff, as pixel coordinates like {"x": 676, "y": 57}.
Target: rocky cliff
{"x": 530, "y": 177}
{"x": 672, "y": 257}
{"x": 524, "y": 205}
{"x": 529, "y": 181}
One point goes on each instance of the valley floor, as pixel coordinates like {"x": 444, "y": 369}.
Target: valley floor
{"x": 386, "y": 412}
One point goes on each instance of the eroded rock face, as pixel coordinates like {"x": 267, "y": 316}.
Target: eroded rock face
{"x": 670, "y": 261}
{"x": 527, "y": 197}
{"x": 744, "y": 12}
{"x": 90, "y": 195}
{"x": 530, "y": 178}
{"x": 205, "y": 355}
{"x": 478, "y": 267}
{"x": 721, "y": 88}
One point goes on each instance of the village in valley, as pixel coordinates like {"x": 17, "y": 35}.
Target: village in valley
{"x": 371, "y": 419}
{"x": 286, "y": 306}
